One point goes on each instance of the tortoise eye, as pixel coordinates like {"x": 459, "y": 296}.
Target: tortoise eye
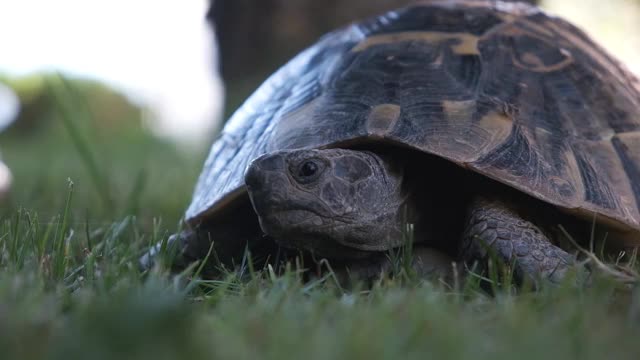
{"x": 308, "y": 168}
{"x": 308, "y": 171}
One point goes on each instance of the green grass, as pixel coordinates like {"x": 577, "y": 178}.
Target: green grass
{"x": 70, "y": 287}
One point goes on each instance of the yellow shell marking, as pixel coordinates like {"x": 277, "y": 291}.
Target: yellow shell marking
{"x": 464, "y": 44}
{"x": 382, "y": 118}
{"x": 456, "y": 111}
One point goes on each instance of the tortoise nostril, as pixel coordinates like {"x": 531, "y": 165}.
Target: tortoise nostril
{"x": 252, "y": 178}
{"x": 257, "y": 171}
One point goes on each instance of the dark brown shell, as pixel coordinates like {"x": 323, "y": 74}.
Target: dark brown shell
{"x": 501, "y": 89}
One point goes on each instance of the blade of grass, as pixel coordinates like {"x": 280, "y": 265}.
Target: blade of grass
{"x": 66, "y": 102}
{"x": 133, "y": 204}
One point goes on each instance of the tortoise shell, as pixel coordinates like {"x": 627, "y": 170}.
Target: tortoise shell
{"x": 499, "y": 88}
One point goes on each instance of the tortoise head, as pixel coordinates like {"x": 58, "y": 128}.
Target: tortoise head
{"x": 335, "y": 203}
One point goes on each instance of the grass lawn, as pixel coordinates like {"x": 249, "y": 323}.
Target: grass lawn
{"x": 86, "y": 204}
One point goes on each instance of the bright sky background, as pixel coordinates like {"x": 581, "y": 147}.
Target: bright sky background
{"x": 614, "y": 24}
{"x": 158, "y": 51}
{"x": 9, "y": 106}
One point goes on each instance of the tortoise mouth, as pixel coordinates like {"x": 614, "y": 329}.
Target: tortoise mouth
{"x": 281, "y": 222}
{"x": 328, "y": 249}
{"x": 304, "y": 229}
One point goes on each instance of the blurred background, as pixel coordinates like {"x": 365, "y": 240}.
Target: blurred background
{"x": 120, "y": 100}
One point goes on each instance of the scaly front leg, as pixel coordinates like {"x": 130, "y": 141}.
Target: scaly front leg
{"x": 495, "y": 226}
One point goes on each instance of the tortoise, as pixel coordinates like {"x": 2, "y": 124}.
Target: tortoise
{"x": 483, "y": 123}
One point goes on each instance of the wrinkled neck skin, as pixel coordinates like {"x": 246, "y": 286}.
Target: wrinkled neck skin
{"x": 359, "y": 206}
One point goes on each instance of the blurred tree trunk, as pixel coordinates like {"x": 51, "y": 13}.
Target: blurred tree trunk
{"x": 255, "y": 37}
